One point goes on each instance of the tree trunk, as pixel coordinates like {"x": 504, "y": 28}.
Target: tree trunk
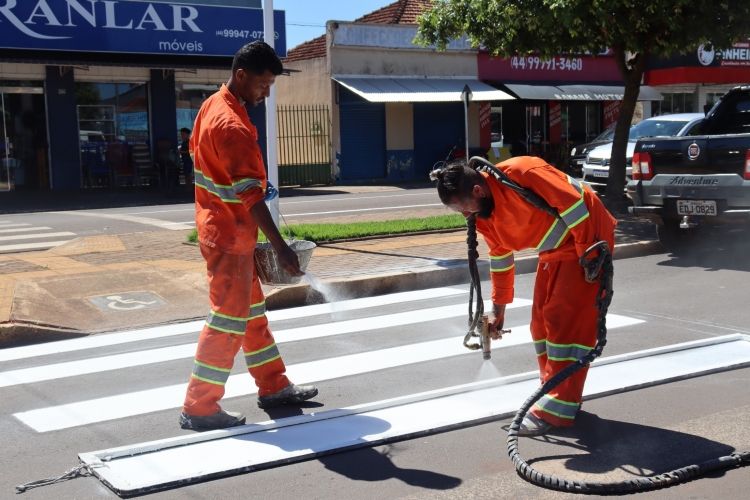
{"x": 618, "y": 159}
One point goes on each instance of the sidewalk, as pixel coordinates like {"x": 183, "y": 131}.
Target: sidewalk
{"x": 49, "y": 293}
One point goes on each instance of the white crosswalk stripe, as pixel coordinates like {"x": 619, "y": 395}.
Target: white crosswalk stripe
{"x": 15, "y": 237}
{"x": 132, "y": 356}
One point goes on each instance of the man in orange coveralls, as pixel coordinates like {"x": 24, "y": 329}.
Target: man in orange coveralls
{"x": 230, "y": 185}
{"x": 563, "y": 315}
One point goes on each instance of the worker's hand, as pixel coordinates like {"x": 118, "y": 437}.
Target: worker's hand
{"x": 289, "y": 260}
{"x": 496, "y": 319}
{"x": 590, "y": 273}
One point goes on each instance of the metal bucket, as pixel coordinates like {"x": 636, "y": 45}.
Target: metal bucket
{"x": 270, "y": 271}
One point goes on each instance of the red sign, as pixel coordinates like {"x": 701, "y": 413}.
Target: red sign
{"x": 485, "y": 124}
{"x": 573, "y": 68}
{"x": 555, "y": 121}
{"x": 611, "y": 112}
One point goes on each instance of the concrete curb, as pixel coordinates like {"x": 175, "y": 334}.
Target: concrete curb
{"x": 303, "y": 294}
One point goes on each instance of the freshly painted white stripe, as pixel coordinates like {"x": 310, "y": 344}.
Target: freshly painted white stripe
{"x": 363, "y": 303}
{"x": 165, "y": 398}
{"x": 36, "y": 236}
{"x": 173, "y": 223}
{"x": 107, "y": 363}
{"x": 284, "y": 202}
{"x": 365, "y": 210}
{"x": 14, "y": 225}
{"x": 191, "y": 209}
{"x": 96, "y": 341}
{"x": 25, "y": 229}
{"x": 131, "y": 218}
{"x": 150, "y": 466}
{"x": 31, "y": 246}
{"x": 379, "y": 322}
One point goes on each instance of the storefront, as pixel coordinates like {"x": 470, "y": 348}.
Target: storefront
{"x": 93, "y": 94}
{"x": 562, "y": 102}
{"x": 692, "y": 83}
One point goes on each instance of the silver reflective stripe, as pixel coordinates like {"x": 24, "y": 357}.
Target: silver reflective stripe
{"x": 227, "y": 324}
{"x": 575, "y": 214}
{"x": 540, "y": 346}
{"x": 554, "y": 236}
{"x": 226, "y": 193}
{"x": 257, "y": 310}
{"x": 501, "y": 263}
{"x": 576, "y": 185}
{"x": 210, "y": 374}
{"x": 265, "y": 355}
{"x": 245, "y": 184}
{"x": 557, "y": 407}
{"x": 566, "y": 352}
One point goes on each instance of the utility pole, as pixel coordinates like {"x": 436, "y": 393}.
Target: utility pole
{"x": 466, "y": 96}
{"x": 272, "y": 144}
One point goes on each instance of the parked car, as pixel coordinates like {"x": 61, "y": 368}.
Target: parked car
{"x": 596, "y": 165}
{"x": 578, "y": 153}
{"x": 693, "y": 187}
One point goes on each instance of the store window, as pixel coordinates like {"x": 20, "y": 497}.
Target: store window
{"x": 113, "y": 129}
{"x": 24, "y": 162}
{"x": 673, "y": 103}
{"x": 496, "y": 134}
{"x": 190, "y": 98}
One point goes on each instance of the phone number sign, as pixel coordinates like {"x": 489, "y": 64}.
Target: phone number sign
{"x": 532, "y": 68}
{"x": 133, "y": 27}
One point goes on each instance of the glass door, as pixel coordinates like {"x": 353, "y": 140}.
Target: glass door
{"x": 536, "y": 131}
{"x": 23, "y": 145}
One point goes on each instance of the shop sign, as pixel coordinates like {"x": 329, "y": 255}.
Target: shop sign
{"x": 133, "y": 27}
{"x": 611, "y": 112}
{"x": 387, "y": 37}
{"x": 564, "y": 68}
{"x": 737, "y": 56}
{"x": 485, "y": 124}
{"x": 555, "y": 121}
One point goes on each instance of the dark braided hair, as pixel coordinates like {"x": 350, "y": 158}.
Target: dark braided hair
{"x": 457, "y": 179}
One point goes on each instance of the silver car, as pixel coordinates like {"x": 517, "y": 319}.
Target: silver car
{"x": 596, "y": 166}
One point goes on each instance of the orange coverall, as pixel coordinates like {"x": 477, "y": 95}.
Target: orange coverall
{"x": 229, "y": 179}
{"x": 563, "y": 315}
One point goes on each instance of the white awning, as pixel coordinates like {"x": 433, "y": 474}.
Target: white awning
{"x": 579, "y": 92}
{"x": 405, "y": 89}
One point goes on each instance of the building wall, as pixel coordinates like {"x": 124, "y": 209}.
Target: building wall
{"x": 400, "y": 62}
{"x": 13, "y": 71}
{"x": 102, "y": 74}
{"x": 399, "y": 140}
{"x": 203, "y": 76}
{"x": 312, "y": 85}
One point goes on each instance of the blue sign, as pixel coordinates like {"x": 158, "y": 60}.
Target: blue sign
{"x": 133, "y": 27}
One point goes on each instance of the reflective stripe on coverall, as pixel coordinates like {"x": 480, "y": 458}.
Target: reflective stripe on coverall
{"x": 563, "y": 318}
{"x": 230, "y": 179}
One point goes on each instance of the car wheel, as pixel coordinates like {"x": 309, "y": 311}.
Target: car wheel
{"x": 598, "y": 189}
{"x": 674, "y": 239}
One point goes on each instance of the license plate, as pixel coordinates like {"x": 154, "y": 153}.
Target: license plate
{"x": 697, "y": 207}
{"x": 601, "y": 173}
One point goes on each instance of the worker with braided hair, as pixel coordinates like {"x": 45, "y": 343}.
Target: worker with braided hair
{"x": 563, "y": 315}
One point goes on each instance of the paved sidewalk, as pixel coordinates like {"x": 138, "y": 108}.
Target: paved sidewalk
{"x": 47, "y": 293}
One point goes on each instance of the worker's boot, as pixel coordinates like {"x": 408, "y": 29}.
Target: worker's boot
{"x": 288, "y": 395}
{"x": 532, "y": 426}
{"x": 219, "y": 420}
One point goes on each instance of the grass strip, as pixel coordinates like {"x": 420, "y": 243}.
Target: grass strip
{"x": 328, "y": 232}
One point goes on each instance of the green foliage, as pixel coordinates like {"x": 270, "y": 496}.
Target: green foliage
{"x": 329, "y": 232}
{"x": 552, "y": 27}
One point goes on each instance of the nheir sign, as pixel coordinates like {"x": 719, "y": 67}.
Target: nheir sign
{"x": 133, "y": 27}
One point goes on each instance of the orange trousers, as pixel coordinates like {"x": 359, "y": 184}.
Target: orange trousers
{"x": 563, "y": 327}
{"x": 237, "y": 319}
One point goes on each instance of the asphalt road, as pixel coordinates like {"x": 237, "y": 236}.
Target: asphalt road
{"x": 41, "y": 230}
{"x": 626, "y": 435}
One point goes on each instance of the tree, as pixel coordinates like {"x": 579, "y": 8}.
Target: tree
{"x": 635, "y": 30}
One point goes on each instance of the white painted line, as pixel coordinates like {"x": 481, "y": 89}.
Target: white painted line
{"x": 165, "y": 398}
{"x": 173, "y": 223}
{"x": 35, "y": 236}
{"x": 14, "y": 225}
{"x": 191, "y": 209}
{"x": 131, "y": 218}
{"x": 283, "y": 202}
{"x": 363, "y": 303}
{"x": 111, "y": 339}
{"x": 365, "y": 210}
{"x": 31, "y": 246}
{"x": 146, "y": 467}
{"x": 25, "y": 229}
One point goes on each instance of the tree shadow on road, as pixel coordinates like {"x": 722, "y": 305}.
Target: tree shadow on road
{"x": 719, "y": 252}
{"x": 623, "y": 450}
{"x": 371, "y": 465}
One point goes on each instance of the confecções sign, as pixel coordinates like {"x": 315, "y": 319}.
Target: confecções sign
{"x": 133, "y": 27}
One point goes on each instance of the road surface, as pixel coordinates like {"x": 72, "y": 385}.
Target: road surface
{"x": 89, "y": 398}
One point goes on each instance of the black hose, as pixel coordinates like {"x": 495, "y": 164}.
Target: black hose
{"x": 603, "y": 301}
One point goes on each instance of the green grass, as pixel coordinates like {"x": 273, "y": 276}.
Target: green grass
{"x": 328, "y": 232}
{"x": 193, "y": 236}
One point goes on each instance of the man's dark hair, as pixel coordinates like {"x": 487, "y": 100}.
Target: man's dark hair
{"x": 185, "y": 130}
{"x": 457, "y": 179}
{"x": 256, "y": 58}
